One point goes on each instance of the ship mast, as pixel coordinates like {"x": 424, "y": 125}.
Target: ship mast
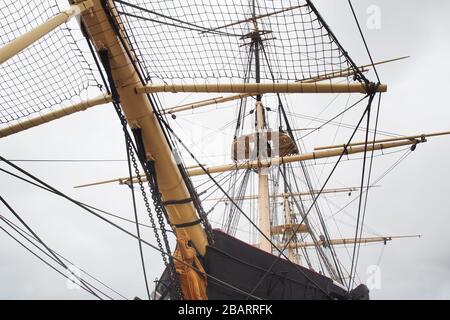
{"x": 261, "y": 146}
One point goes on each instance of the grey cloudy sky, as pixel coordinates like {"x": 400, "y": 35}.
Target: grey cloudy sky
{"x": 413, "y": 199}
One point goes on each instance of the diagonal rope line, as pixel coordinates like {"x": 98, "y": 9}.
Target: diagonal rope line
{"x": 317, "y": 196}
{"x": 364, "y": 40}
{"x": 124, "y": 230}
{"x": 27, "y": 236}
{"x": 193, "y": 26}
{"x": 368, "y": 183}
{"x": 366, "y": 144}
{"x": 281, "y": 252}
{"x": 135, "y": 211}
{"x": 82, "y": 203}
{"x": 43, "y": 260}
{"x": 60, "y": 262}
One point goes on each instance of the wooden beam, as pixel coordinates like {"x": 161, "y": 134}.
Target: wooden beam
{"x": 204, "y": 103}
{"x": 300, "y": 157}
{"x": 411, "y": 138}
{"x": 261, "y": 88}
{"x": 348, "y": 72}
{"x": 24, "y": 41}
{"x": 348, "y": 241}
{"x": 337, "y": 74}
{"x": 35, "y": 121}
{"x": 278, "y": 160}
{"x": 284, "y": 195}
{"x": 327, "y": 76}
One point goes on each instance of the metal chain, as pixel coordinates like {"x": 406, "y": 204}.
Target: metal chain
{"x": 161, "y": 214}
{"x": 104, "y": 56}
{"x": 168, "y": 264}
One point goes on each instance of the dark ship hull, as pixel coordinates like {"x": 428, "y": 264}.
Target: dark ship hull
{"x": 244, "y": 267}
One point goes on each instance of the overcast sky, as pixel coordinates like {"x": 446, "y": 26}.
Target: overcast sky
{"x": 413, "y": 199}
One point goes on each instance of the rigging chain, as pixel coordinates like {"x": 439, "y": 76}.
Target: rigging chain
{"x": 157, "y": 202}
{"x": 150, "y": 173}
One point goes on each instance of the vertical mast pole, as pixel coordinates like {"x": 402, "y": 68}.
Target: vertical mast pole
{"x": 263, "y": 181}
{"x": 292, "y": 254}
{"x": 261, "y": 145}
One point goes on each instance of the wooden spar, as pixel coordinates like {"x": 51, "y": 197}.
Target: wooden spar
{"x": 253, "y": 19}
{"x": 327, "y": 76}
{"x": 57, "y": 114}
{"x": 284, "y": 195}
{"x": 278, "y": 160}
{"x": 217, "y": 100}
{"x": 117, "y": 180}
{"x": 204, "y": 103}
{"x": 139, "y": 112}
{"x": 384, "y": 62}
{"x": 24, "y": 41}
{"x": 420, "y": 136}
{"x": 349, "y": 72}
{"x": 300, "y": 157}
{"x": 337, "y": 74}
{"x": 349, "y": 241}
{"x": 261, "y": 88}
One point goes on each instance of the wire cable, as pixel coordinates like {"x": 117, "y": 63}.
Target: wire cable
{"x": 27, "y": 236}
{"x": 364, "y": 40}
{"x": 45, "y": 246}
{"x": 124, "y": 230}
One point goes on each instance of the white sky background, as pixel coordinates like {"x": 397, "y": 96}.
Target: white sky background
{"x": 412, "y": 200}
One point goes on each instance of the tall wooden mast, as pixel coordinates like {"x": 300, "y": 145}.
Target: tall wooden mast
{"x": 261, "y": 148}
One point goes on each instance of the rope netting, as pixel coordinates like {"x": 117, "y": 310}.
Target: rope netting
{"x": 210, "y": 40}
{"x": 50, "y": 73}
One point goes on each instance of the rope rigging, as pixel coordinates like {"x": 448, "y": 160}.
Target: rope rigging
{"x": 84, "y": 284}
{"x": 51, "y": 73}
{"x": 356, "y": 254}
{"x": 315, "y": 198}
{"x": 150, "y": 174}
{"x": 364, "y": 40}
{"x": 29, "y": 238}
{"x": 362, "y": 188}
{"x": 132, "y": 162}
{"x": 357, "y": 247}
{"x": 208, "y": 40}
{"x": 182, "y": 49}
{"x": 89, "y": 290}
{"x": 335, "y": 273}
{"x": 123, "y": 230}
{"x": 281, "y": 252}
{"x": 155, "y": 103}
{"x": 81, "y": 203}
